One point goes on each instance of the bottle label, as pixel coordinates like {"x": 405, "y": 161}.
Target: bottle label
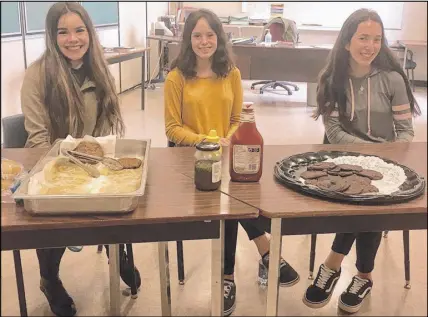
{"x": 247, "y": 117}
{"x": 216, "y": 172}
{"x": 246, "y": 159}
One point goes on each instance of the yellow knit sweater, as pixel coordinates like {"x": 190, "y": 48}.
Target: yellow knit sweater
{"x": 195, "y": 106}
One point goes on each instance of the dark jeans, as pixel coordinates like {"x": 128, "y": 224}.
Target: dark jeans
{"x": 367, "y": 246}
{"x": 50, "y": 259}
{"x": 230, "y": 240}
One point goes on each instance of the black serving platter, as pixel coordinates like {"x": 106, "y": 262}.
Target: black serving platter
{"x": 288, "y": 170}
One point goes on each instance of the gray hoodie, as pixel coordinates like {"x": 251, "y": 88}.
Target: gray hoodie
{"x": 377, "y": 110}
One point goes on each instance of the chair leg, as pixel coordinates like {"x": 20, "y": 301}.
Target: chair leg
{"x": 406, "y": 240}
{"x": 296, "y": 88}
{"x": 283, "y": 86}
{"x": 267, "y": 85}
{"x": 385, "y": 234}
{"x": 262, "y": 82}
{"x": 413, "y": 79}
{"x": 130, "y": 254}
{"x": 312, "y": 256}
{"x": 180, "y": 262}
{"x": 100, "y": 248}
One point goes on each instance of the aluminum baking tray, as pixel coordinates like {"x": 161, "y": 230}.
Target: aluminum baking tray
{"x": 87, "y": 203}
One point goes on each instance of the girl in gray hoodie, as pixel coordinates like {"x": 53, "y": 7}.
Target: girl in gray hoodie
{"x": 363, "y": 97}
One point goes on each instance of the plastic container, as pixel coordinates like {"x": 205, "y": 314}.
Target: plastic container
{"x": 246, "y": 149}
{"x": 268, "y": 37}
{"x": 207, "y": 166}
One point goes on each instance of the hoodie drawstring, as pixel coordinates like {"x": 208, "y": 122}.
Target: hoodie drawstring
{"x": 369, "y": 130}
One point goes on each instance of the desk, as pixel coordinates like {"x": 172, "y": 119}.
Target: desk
{"x": 287, "y": 212}
{"x": 162, "y": 39}
{"x": 187, "y": 214}
{"x": 121, "y": 55}
{"x": 297, "y": 64}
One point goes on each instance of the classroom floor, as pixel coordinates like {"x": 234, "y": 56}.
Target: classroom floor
{"x": 281, "y": 119}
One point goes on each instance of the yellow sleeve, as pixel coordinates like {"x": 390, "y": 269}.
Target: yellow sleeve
{"x": 175, "y": 130}
{"x": 238, "y": 99}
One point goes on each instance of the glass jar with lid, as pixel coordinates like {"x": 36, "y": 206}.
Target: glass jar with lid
{"x": 207, "y": 166}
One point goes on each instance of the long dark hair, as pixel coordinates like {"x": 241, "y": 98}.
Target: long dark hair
{"x": 222, "y": 61}
{"x": 334, "y": 77}
{"x": 63, "y": 98}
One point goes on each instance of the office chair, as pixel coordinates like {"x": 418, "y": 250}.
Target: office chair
{"x": 410, "y": 64}
{"x": 15, "y": 136}
{"x": 406, "y": 243}
{"x": 276, "y": 29}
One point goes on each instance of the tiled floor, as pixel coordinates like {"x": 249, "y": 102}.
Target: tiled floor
{"x": 281, "y": 119}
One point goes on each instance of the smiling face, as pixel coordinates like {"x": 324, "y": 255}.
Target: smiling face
{"x": 72, "y": 37}
{"x": 204, "y": 40}
{"x": 365, "y": 44}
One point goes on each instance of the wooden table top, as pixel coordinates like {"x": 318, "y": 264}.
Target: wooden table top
{"x": 275, "y": 200}
{"x": 169, "y": 197}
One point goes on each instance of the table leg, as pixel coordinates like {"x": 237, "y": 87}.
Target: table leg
{"x": 274, "y": 259}
{"x": 114, "y": 280}
{"x": 165, "y": 288}
{"x": 20, "y": 282}
{"x": 143, "y": 81}
{"x": 311, "y": 94}
{"x": 406, "y": 243}
{"x": 217, "y": 272}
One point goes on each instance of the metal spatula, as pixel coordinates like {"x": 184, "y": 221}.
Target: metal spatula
{"x": 111, "y": 163}
{"x": 93, "y": 172}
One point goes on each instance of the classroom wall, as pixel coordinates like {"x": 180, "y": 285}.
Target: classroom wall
{"x": 413, "y": 28}
{"x": 132, "y": 22}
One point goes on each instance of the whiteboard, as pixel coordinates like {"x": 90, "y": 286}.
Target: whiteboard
{"x": 330, "y": 14}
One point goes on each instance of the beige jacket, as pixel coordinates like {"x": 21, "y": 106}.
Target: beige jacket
{"x": 36, "y": 116}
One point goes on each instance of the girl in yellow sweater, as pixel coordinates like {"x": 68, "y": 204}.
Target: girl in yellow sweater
{"x": 203, "y": 91}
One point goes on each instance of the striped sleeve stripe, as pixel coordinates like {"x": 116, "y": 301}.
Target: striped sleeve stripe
{"x": 334, "y": 114}
{"x": 401, "y": 107}
{"x": 404, "y": 116}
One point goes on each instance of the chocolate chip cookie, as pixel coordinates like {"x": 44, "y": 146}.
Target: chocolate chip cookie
{"x": 321, "y": 166}
{"x": 373, "y": 175}
{"x": 350, "y": 167}
{"x": 312, "y": 174}
{"x": 354, "y": 189}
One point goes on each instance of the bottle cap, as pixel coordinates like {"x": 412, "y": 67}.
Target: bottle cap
{"x": 212, "y": 137}
{"x": 248, "y": 105}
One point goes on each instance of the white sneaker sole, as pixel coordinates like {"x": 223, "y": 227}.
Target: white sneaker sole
{"x": 316, "y": 304}
{"x": 351, "y": 309}
{"x": 230, "y": 310}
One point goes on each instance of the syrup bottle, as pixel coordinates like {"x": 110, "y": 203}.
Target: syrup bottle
{"x": 246, "y": 149}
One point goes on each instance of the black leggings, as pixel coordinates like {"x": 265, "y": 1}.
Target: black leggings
{"x": 230, "y": 240}
{"x": 50, "y": 259}
{"x": 367, "y": 246}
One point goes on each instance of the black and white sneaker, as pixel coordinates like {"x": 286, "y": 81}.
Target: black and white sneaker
{"x": 287, "y": 274}
{"x": 352, "y": 299}
{"x": 319, "y": 293}
{"x": 229, "y": 297}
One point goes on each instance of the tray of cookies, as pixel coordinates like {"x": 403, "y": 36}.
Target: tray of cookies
{"x": 349, "y": 177}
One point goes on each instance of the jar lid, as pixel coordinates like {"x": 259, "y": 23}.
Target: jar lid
{"x": 208, "y": 146}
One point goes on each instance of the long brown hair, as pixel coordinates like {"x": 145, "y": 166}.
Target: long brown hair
{"x": 333, "y": 78}
{"x": 222, "y": 60}
{"x": 63, "y": 98}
